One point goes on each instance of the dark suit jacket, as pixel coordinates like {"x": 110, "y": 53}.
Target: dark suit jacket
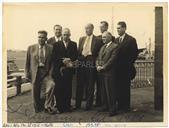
{"x": 127, "y": 54}
{"x": 51, "y": 41}
{"x": 32, "y": 61}
{"x": 96, "y": 45}
{"x": 107, "y": 57}
{"x": 59, "y": 52}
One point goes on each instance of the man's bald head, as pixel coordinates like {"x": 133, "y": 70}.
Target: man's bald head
{"x": 89, "y": 29}
{"x": 66, "y": 34}
{"x": 106, "y": 37}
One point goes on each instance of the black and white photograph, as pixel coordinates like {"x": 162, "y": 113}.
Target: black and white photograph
{"x": 85, "y": 64}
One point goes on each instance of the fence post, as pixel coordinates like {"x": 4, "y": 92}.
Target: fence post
{"x": 158, "y": 83}
{"x": 18, "y": 84}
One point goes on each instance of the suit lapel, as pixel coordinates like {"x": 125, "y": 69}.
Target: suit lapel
{"x": 37, "y": 53}
{"x": 47, "y": 52}
{"x": 54, "y": 40}
{"x": 93, "y": 43}
{"x": 123, "y": 43}
{"x": 103, "y": 51}
{"x": 69, "y": 45}
{"x": 63, "y": 46}
{"x": 82, "y": 43}
{"x": 125, "y": 38}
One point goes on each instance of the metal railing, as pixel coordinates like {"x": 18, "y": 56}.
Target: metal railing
{"x": 144, "y": 74}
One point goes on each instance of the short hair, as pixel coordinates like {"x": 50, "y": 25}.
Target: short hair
{"x": 57, "y": 25}
{"x": 43, "y": 32}
{"x": 123, "y": 24}
{"x": 90, "y": 24}
{"x": 105, "y": 23}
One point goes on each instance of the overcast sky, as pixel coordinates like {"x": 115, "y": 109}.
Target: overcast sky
{"x": 22, "y": 21}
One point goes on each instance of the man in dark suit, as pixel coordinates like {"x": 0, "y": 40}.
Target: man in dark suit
{"x": 103, "y": 28}
{"x": 127, "y": 55}
{"x": 88, "y": 49}
{"x": 64, "y": 54}
{"x": 58, "y": 35}
{"x": 106, "y": 66}
{"x": 38, "y": 71}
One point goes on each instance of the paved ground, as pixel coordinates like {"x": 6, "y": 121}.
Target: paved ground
{"x": 20, "y": 110}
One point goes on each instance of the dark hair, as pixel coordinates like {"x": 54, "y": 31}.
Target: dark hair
{"x": 123, "y": 24}
{"x": 105, "y": 23}
{"x": 43, "y": 32}
{"x": 57, "y": 25}
{"x": 92, "y": 26}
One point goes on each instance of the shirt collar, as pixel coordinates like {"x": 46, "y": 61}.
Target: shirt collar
{"x": 91, "y": 36}
{"x": 103, "y": 32}
{"x": 123, "y": 36}
{"x": 65, "y": 42}
{"x": 43, "y": 45}
{"x": 58, "y": 38}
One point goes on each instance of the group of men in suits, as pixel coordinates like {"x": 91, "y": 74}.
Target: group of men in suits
{"x": 98, "y": 60}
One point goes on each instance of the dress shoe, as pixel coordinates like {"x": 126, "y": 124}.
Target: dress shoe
{"x": 112, "y": 114}
{"x": 76, "y": 108}
{"x": 102, "y": 109}
{"x": 69, "y": 110}
{"x": 124, "y": 110}
{"x": 38, "y": 110}
{"x": 97, "y": 105}
{"x": 50, "y": 111}
{"x": 87, "y": 108}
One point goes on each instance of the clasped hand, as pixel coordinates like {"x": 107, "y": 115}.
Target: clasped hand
{"x": 99, "y": 68}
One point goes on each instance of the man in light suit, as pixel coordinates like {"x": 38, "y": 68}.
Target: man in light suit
{"x": 88, "y": 49}
{"x": 103, "y": 28}
{"x": 57, "y": 35}
{"x": 106, "y": 66}
{"x": 38, "y": 71}
{"x": 127, "y": 55}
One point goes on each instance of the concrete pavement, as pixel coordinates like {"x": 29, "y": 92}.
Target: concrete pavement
{"x": 20, "y": 110}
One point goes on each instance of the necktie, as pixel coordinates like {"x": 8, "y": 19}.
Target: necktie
{"x": 66, "y": 44}
{"x": 120, "y": 39}
{"x": 86, "y": 48}
{"x": 41, "y": 56}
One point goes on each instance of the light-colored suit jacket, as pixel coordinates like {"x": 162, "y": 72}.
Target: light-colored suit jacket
{"x": 32, "y": 61}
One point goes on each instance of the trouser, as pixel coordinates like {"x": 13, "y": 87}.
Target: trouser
{"x": 123, "y": 89}
{"x": 109, "y": 92}
{"x": 43, "y": 91}
{"x": 86, "y": 76}
{"x": 63, "y": 90}
{"x": 98, "y": 91}
{"x": 67, "y": 89}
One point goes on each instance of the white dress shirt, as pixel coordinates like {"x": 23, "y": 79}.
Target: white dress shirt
{"x": 121, "y": 38}
{"x": 87, "y": 46}
{"x": 58, "y": 38}
{"x": 107, "y": 45}
{"x": 65, "y": 44}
